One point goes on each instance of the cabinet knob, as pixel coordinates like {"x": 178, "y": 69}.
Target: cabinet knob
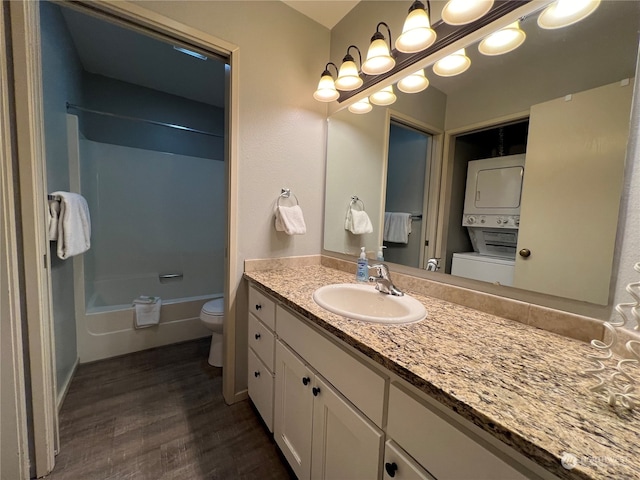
{"x": 391, "y": 469}
{"x": 525, "y": 253}
{"x": 306, "y": 380}
{"x": 257, "y": 374}
{"x": 316, "y": 391}
{"x": 257, "y": 335}
{"x": 258, "y": 306}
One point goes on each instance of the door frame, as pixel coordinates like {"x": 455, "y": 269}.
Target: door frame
{"x": 24, "y": 17}
{"x": 432, "y": 179}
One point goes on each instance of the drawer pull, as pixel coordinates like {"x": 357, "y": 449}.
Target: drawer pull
{"x": 316, "y": 391}
{"x": 257, "y": 374}
{"x": 306, "y": 380}
{"x": 391, "y": 469}
{"x": 258, "y": 306}
{"x": 257, "y": 335}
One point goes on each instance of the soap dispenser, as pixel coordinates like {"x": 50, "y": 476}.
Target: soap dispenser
{"x": 362, "y": 270}
{"x": 380, "y": 256}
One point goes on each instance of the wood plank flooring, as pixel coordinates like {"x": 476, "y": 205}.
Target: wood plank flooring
{"x": 160, "y": 415}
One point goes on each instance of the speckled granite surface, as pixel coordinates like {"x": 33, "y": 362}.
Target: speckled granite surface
{"x": 521, "y": 384}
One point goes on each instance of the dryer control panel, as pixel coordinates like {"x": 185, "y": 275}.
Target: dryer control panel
{"x": 491, "y": 221}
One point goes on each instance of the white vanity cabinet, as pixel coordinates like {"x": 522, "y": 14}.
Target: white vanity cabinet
{"x": 338, "y": 415}
{"x": 261, "y": 354}
{"x": 321, "y": 433}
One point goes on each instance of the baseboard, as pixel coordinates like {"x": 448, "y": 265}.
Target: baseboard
{"x": 62, "y": 393}
{"x": 240, "y": 396}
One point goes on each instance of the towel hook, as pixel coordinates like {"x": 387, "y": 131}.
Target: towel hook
{"x": 286, "y": 193}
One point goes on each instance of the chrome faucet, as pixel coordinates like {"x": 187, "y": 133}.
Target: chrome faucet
{"x": 383, "y": 280}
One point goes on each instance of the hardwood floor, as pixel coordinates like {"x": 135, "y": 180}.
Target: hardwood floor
{"x": 159, "y": 414}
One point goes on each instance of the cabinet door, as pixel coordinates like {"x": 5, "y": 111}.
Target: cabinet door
{"x": 400, "y": 466}
{"x": 293, "y": 414}
{"x": 345, "y": 444}
{"x": 571, "y": 193}
{"x": 260, "y": 386}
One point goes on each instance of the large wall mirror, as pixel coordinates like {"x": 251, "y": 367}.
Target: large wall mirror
{"x": 561, "y": 101}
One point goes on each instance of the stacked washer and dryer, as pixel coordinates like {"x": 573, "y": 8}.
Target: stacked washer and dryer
{"x": 492, "y": 217}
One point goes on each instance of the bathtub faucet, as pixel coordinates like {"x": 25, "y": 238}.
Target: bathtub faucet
{"x": 383, "y": 280}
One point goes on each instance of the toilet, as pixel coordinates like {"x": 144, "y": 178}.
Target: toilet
{"x": 212, "y": 317}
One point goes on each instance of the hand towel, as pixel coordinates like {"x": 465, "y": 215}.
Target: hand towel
{"x": 147, "y": 311}
{"x": 290, "y": 220}
{"x": 397, "y": 227}
{"x": 74, "y": 225}
{"x": 54, "y": 214}
{"x": 357, "y": 222}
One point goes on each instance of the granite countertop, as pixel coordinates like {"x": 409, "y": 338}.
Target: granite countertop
{"x": 521, "y": 384}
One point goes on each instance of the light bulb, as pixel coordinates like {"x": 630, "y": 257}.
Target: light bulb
{"x": 414, "y": 83}
{"x": 361, "y": 106}
{"x": 461, "y": 12}
{"x": 563, "y": 13}
{"x": 454, "y": 64}
{"x": 383, "y": 97}
{"x": 348, "y": 76}
{"x": 503, "y": 41}
{"x": 379, "y": 59}
{"x": 417, "y": 34}
{"x": 326, "y": 91}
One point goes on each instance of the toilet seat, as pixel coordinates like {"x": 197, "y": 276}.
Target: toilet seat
{"x": 212, "y": 313}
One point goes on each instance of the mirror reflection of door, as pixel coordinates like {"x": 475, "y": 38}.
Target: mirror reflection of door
{"x": 406, "y": 195}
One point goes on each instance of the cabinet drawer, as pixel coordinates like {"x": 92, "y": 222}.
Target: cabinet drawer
{"x": 400, "y": 466}
{"x": 262, "y": 307}
{"x": 262, "y": 341}
{"x": 260, "y": 385}
{"x": 442, "y": 448}
{"x": 364, "y": 387}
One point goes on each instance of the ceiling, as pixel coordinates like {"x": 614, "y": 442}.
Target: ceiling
{"x": 327, "y": 12}
{"x": 122, "y": 54}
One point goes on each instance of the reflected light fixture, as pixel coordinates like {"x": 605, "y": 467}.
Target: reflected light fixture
{"x": 383, "y": 97}
{"x": 349, "y": 76}
{"x": 326, "y": 91}
{"x": 417, "y": 33}
{"x": 414, "y": 83}
{"x": 503, "y": 41}
{"x": 361, "y": 106}
{"x": 563, "y": 13}
{"x": 454, "y": 64}
{"x": 461, "y": 12}
{"x": 379, "y": 59}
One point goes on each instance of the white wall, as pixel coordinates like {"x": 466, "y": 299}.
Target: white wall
{"x": 61, "y": 71}
{"x": 281, "y": 126}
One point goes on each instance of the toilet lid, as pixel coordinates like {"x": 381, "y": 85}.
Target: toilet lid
{"x": 214, "y": 307}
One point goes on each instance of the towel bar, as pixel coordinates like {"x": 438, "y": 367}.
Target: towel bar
{"x": 170, "y": 275}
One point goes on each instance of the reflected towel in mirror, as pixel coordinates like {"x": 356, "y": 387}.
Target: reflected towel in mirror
{"x": 397, "y": 227}
{"x": 357, "y": 222}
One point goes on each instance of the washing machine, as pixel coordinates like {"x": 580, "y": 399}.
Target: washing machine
{"x": 487, "y": 268}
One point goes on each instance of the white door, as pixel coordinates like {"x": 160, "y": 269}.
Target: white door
{"x": 575, "y": 160}
{"x": 293, "y": 414}
{"x": 345, "y": 443}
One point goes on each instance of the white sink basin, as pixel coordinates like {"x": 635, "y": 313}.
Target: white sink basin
{"x": 364, "y": 302}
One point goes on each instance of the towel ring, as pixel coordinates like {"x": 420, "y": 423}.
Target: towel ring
{"x": 286, "y": 193}
{"x": 355, "y": 200}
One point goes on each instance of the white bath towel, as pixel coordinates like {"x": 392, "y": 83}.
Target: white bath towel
{"x": 290, "y": 220}
{"x": 357, "y": 222}
{"x": 74, "y": 225}
{"x": 54, "y": 214}
{"x": 147, "y": 311}
{"x": 397, "y": 227}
